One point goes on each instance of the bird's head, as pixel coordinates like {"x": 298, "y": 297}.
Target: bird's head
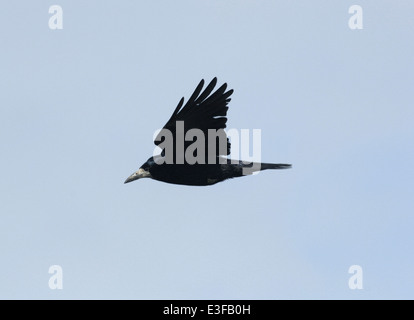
{"x": 142, "y": 172}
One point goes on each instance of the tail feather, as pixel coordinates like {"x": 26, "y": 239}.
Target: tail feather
{"x": 265, "y": 166}
{"x": 249, "y": 168}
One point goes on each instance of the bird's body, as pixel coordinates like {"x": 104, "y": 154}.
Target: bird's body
{"x": 203, "y": 112}
{"x": 201, "y": 174}
{"x": 193, "y": 175}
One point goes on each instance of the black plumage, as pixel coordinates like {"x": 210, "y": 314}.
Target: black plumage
{"x": 204, "y": 110}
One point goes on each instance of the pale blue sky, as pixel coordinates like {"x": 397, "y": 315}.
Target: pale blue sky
{"x": 79, "y": 107}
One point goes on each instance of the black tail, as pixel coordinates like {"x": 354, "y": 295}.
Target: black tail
{"x": 256, "y": 166}
{"x": 265, "y": 166}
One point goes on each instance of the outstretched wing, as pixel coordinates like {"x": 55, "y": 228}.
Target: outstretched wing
{"x": 204, "y": 110}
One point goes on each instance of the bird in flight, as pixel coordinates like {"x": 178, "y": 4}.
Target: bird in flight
{"x": 204, "y": 112}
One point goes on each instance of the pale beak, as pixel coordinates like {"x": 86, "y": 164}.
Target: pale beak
{"x": 141, "y": 173}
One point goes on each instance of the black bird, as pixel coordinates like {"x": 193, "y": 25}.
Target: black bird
{"x": 203, "y": 112}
